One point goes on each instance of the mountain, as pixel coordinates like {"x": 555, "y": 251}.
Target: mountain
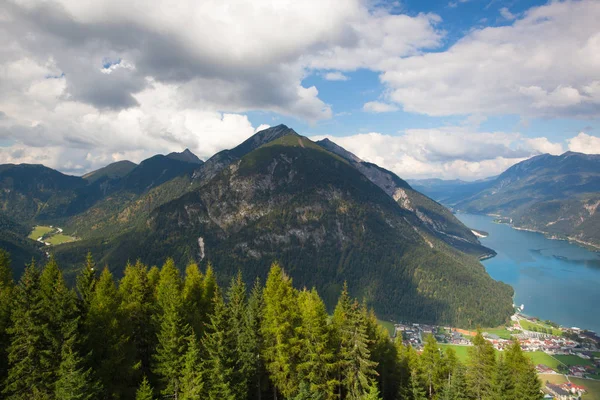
{"x": 449, "y": 192}
{"x": 224, "y": 158}
{"x": 35, "y": 192}
{"x": 440, "y": 221}
{"x": 155, "y": 171}
{"x": 112, "y": 171}
{"x": 290, "y": 199}
{"x": 326, "y": 215}
{"x": 558, "y": 195}
{"x": 186, "y": 156}
{"x": 13, "y": 238}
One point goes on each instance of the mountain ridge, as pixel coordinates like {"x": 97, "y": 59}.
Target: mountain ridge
{"x": 280, "y": 196}
{"x": 556, "y": 195}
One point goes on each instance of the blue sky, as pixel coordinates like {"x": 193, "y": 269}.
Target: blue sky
{"x": 446, "y": 89}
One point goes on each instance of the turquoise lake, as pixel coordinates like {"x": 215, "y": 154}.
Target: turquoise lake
{"x": 554, "y": 279}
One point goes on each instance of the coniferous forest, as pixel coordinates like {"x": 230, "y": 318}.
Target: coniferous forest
{"x": 160, "y": 334}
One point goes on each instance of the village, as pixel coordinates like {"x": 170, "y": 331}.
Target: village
{"x": 566, "y": 359}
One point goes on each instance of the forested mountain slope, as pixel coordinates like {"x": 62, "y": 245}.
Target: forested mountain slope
{"x": 293, "y": 201}
{"x": 558, "y": 195}
{"x": 280, "y": 196}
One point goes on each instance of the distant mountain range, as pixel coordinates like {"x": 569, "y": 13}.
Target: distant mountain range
{"x": 326, "y": 215}
{"x": 557, "y": 195}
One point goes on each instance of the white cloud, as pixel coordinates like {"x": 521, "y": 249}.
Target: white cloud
{"x": 335, "y": 76}
{"x": 449, "y": 153}
{"x": 506, "y": 14}
{"x": 543, "y": 65}
{"x": 378, "y": 107}
{"x": 96, "y": 81}
{"x": 543, "y": 145}
{"x": 584, "y": 143}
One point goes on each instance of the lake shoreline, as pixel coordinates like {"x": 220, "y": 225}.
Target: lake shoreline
{"x": 556, "y": 282}
{"x": 548, "y": 235}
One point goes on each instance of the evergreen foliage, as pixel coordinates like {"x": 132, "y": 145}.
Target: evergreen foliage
{"x": 120, "y": 339}
{"x": 145, "y": 391}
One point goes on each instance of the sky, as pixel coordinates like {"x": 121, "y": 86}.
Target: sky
{"x": 453, "y": 89}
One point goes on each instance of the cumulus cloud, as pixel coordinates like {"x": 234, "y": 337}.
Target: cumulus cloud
{"x": 378, "y": 107}
{"x": 543, "y": 65}
{"x": 506, "y": 14}
{"x": 335, "y": 76}
{"x": 95, "y": 81}
{"x": 450, "y": 153}
{"x": 584, "y": 143}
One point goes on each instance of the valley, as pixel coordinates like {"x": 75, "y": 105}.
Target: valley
{"x": 278, "y": 196}
{"x": 50, "y": 235}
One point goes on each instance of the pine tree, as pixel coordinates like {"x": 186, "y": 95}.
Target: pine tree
{"x": 28, "y": 375}
{"x": 305, "y": 393}
{"x": 504, "y": 383}
{"x": 59, "y": 305}
{"x": 402, "y": 368}
{"x": 416, "y": 390}
{"x": 209, "y": 287}
{"x": 281, "y": 321}
{"x": 481, "y": 367}
{"x": 193, "y": 293}
{"x": 245, "y": 354}
{"x": 110, "y": 352}
{"x": 220, "y": 353}
{"x": 529, "y": 385}
{"x": 86, "y": 282}
{"x": 432, "y": 365}
{"x": 384, "y": 353}
{"x": 357, "y": 368}
{"x": 317, "y": 361}
{"x": 340, "y": 320}
{"x": 153, "y": 278}
{"x": 456, "y": 386}
{"x": 373, "y": 393}
{"x": 75, "y": 380}
{"x": 254, "y": 341}
{"x": 173, "y": 330}
{"x": 145, "y": 391}
{"x": 6, "y": 301}
{"x": 192, "y": 384}
{"x": 138, "y": 307}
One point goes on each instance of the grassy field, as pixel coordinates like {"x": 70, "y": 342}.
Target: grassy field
{"x": 388, "y": 325}
{"x": 53, "y": 236}
{"x": 539, "y": 357}
{"x": 40, "y": 231}
{"x": 462, "y": 352}
{"x": 573, "y": 360}
{"x": 592, "y": 386}
{"x": 530, "y": 326}
{"x": 60, "y": 238}
{"x": 500, "y": 332}
{"x": 552, "y": 378}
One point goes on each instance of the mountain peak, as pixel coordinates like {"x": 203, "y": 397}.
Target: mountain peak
{"x": 186, "y": 156}
{"x": 260, "y": 138}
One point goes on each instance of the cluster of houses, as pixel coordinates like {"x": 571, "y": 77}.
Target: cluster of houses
{"x": 565, "y": 391}
{"x": 550, "y": 344}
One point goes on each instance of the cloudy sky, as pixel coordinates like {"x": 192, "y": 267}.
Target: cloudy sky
{"x": 450, "y": 89}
